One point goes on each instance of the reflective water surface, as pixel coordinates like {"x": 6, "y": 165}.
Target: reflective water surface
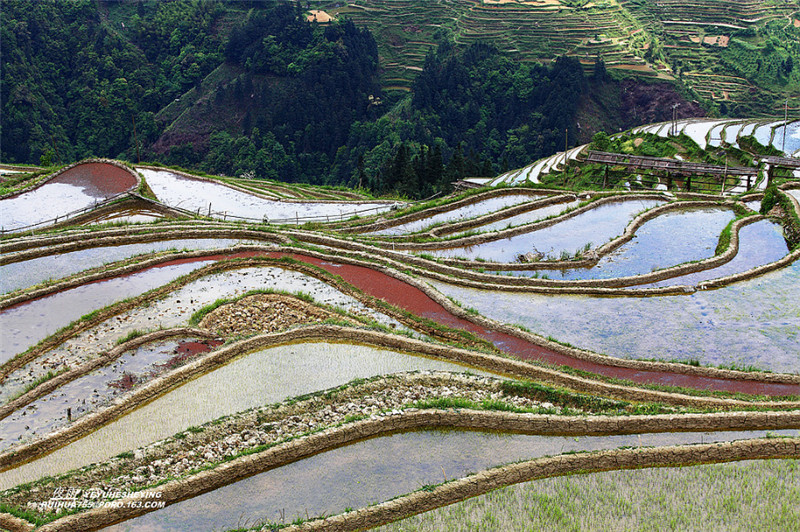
{"x": 379, "y": 469}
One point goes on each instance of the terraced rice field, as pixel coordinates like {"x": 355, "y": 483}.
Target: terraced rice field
{"x": 244, "y": 375}
{"x": 705, "y": 133}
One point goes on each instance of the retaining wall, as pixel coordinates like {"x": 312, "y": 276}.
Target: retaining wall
{"x": 282, "y": 454}
{"x": 428, "y": 290}
{"x": 154, "y": 389}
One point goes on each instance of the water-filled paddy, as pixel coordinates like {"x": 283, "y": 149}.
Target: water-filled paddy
{"x": 754, "y": 205}
{"x": 755, "y": 322}
{"x": 197, "y": 195}
{"x": 261, "y": 378}
{"x": 731, "y": 133}
{"x": 672, "y": 238}
{"x": 379, "y": 469}
{"x": 791, "y": 133}
{"x": 715, "y": 135}
{"x": 26, "y": 324}
{"x": 462, "y": 213}
{"x": 97, "y": 388}
{"x": 698, "y": 131}
{"x": 27, "y": 273}
{"x": 175, "y": 310}
{"x": 74, "y": 189}
{"x": 759, "y": 243}
{"x": 593, "y": 227}
{"x": 524, "y": 218}
{"x": 763, "y": 134}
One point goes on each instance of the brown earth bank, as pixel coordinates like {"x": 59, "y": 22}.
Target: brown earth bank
{"x": 332, "y": 333}
{"x": 245, "y": 466}
{"x": 419, "y": 299}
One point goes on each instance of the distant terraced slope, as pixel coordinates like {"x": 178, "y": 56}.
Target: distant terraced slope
{"x": 707, "y": 43}
{"x": 712, "y": 42}
{"x": 535, "y": 31}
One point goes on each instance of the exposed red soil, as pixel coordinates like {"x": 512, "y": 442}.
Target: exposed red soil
{"x": 189, "y": 349}
{"x": 414, "y": 300}
{"x": 99, "y": 179}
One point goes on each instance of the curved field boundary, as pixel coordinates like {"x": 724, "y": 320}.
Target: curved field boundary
{"x": 282, "y": 454}
{"x": 244, "y": 257}
{"x": 129, "y": 200}
{"x": 15, "y": 457}
{"x": 316, "y": 333}
{"x": 450, "y": 228}
{"x": 101, "y": 315}
{"x": 52, "y": 176}
{"x": 118, "y": 237}
{"x": 447, "y": 207}
{"x": 253, "y": 193}
{"x": 95, "y": 363}
{"x": 447, "y": 268}
{"x": 785, "y": 261}
{"x": 603, "y": 287}
{"x": 438, "y": 232}
{"x": 20, "y": 168}
{"x": 595, "y": 462}
{"x": 17, "y": 248}
{"x": 627, "y": 235}
{"x": 392, "y": 286}
{"x": 514, "y": 231}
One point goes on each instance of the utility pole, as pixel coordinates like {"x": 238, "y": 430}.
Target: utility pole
{"x": 785, "y": 124}
{"x": 674, "y": 119}
{"x": 724, "y": 177}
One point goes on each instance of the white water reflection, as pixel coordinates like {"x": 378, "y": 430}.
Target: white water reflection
{"x": 172, "y": 311}
{"x": 28, "y": 323}
{"x": 264, "y": 377}
{"x": 524, "y": 218}
{"x": 755, "y": 322}
{"x": 224, "y": 202}
{"x": 462, "y": 213}
{"x": 594, "y": 227}
{"x": 27, "y": 273}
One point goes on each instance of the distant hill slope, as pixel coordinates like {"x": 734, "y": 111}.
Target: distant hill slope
{"x": 728, "y": 52}
{"x": 302, "y": 92}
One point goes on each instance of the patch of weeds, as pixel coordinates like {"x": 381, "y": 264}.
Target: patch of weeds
{"x": 40, "y": 380}
{"x": 136, "y": 333}
{"x": 198, "y": 316}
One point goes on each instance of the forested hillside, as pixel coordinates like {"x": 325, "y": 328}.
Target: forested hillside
{"x": 256, "y": 87}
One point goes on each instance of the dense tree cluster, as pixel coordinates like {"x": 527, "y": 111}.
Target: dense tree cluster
{"x": 261, "y": 89}
{"x": 74, "y": 82}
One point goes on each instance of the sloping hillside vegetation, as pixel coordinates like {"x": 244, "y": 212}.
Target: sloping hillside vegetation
{"x": 267, "y": 89}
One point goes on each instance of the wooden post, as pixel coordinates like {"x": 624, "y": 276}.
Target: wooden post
{"x": 689, "y": 183}
{"x": 605, "y": 178}
{"x": 669, "y": 181}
